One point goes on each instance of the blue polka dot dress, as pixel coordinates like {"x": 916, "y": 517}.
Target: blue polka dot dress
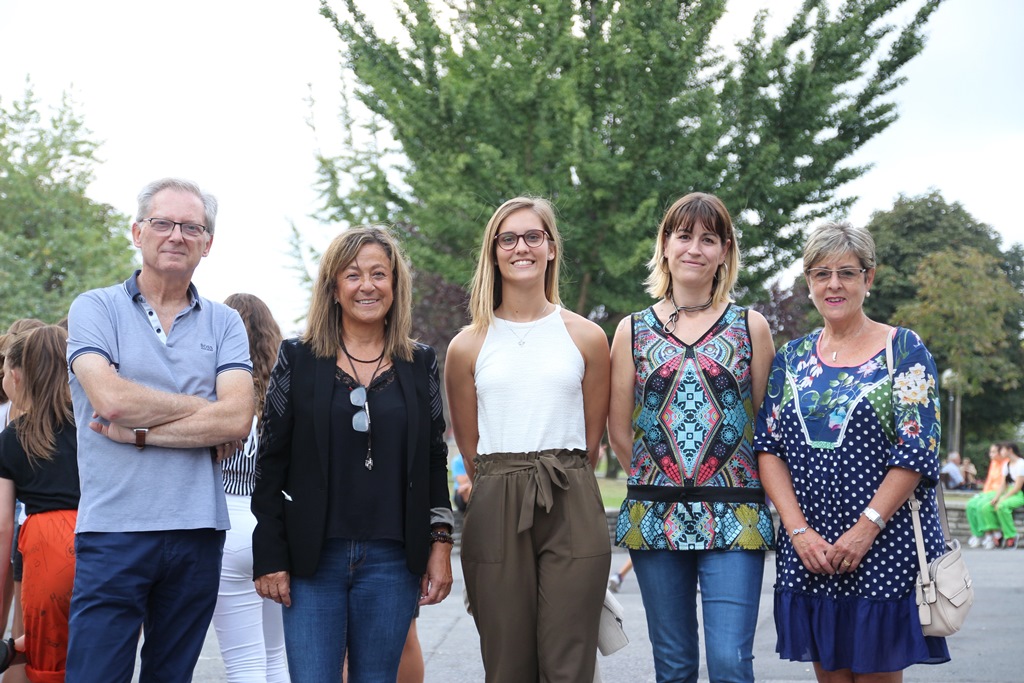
{"x": 839, "y": 429}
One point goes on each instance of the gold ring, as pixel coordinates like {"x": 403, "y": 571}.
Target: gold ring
{"x": 846, "y": 563}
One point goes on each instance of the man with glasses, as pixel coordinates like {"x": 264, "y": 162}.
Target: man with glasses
{"x": 158, "y": 377}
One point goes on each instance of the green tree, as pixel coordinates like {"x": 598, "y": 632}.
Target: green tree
{"x": 962, "y": 302}
{"x": 913, "y": 233}
{"x": 55, "y": 242}
{"x": 917, "y": 227}
{"x": 614, "y": 109}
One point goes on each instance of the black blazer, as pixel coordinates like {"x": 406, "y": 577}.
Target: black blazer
{"x": 294, "y": 453}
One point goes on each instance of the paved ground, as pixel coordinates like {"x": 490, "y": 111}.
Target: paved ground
{"x": 981, "y": 652}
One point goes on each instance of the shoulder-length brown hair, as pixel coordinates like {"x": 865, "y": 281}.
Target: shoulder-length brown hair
{"x": 19, "y": 325}
{"x": 264, "y": 339}
{"x": 687, "y": 211}
{"x": 40, "y": 355}
{"x": 485, "y": 291}
{"x": 324, "y": 321}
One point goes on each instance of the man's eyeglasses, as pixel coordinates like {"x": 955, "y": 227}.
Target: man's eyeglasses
{"x": 532, "y": 238}
{"x": 163, "y": 226}
{"x": 823, "y": 275}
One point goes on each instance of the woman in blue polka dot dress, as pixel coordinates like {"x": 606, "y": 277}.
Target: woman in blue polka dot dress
{"x": 841, "y": 448}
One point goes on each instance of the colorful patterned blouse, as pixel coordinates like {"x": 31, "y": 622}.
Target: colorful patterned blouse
{"x": 693, "y": 481}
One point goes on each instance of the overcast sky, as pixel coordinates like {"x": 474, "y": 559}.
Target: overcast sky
{"x": 218, "y": 91}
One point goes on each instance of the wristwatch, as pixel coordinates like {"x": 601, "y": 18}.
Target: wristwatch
{"x": 140, "y": 437}
{"x": 873, "y": 516}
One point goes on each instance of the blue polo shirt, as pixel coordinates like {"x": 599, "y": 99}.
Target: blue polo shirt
{"x": 156, "y": 489}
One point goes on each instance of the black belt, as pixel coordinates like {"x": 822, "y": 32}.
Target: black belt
{"x": 695, "y": 494}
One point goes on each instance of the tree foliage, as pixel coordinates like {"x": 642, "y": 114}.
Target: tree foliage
{"x": 613, "y": 109}
{"x": 789, "y": 311}
{"x": 55, "y": 242}
{"x": 917, "y": 227}
{"x": 963, "y": 300}
{"x": 910, "y": 240}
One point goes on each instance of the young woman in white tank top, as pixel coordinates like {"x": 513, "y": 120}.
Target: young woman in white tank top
{"x": 527, "y": 385}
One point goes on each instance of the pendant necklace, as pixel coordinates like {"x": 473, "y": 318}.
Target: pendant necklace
{"x": 368, "y": 462}
{"x": 852, "y": 336}
{"x": 670, "y": 324}
{"x": 522, "y": 339}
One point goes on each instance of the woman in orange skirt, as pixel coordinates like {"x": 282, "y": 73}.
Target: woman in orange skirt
{"x": 39, "y": 466}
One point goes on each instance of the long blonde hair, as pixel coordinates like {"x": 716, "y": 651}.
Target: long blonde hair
{"x": 324, "y": 320}
{"x": 485, "y": 291}
{"x": 40, "y": 355}
{"x": 710, "y": 212}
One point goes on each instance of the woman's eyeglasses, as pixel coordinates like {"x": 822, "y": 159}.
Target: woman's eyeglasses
{"x": 532, "y": 238}
{"x": 361, "y": 420}
{"x": 823, "y": 275}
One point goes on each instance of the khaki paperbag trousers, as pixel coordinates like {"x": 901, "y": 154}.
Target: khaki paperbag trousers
{"x": 536, "y": 555}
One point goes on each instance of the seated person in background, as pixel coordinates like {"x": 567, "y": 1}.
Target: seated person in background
{"x": 1009, "y": 498}
{"x": 461, "y": 483}
{"x": 970, "y": 473}
{"x": 952, "y": 477}
{"x": 994, "y": 479}
{"x": 990, "y": 513}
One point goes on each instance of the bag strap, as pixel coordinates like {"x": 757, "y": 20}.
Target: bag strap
{"x": 915, "y": 515}
{"x": 914, "y": 503}
{"x": 941, "y": 502}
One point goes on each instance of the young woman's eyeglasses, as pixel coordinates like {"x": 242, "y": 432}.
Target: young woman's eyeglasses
{"x": 823, "y": 275}
{"x": 163, "y": 226}
{"x": 532, "y": 238}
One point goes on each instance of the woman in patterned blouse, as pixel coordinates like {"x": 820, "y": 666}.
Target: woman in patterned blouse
{"x": 688, "y": 374}
{"x": 843, "y": 440}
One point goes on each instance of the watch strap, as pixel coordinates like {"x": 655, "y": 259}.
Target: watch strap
{"x": 873, "y": 516}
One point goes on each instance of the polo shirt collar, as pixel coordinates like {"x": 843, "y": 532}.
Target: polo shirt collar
{"x": 131, "y": 287}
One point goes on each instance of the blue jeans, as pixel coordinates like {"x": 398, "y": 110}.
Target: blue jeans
{"x": 164, "y": 580}
{"x": 362, "y": 599}
{"x": 730, "y": 590}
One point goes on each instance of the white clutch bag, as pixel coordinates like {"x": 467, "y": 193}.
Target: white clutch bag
{"x": 611, "y": 637}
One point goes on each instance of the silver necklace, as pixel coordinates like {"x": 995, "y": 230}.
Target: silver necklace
{"x": 522, "y": 339}
{"x": 851, "y": 337}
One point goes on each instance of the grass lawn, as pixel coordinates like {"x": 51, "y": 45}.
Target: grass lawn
{"x": 613, "y": 491}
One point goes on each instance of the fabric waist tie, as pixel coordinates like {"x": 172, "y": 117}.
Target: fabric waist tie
{"x": 694, "y": 494}
{"x": 544, "y": 468}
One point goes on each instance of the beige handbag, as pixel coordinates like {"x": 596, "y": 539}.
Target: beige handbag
{"x": 944, "y": 590}
{"x": 944, "y": 593}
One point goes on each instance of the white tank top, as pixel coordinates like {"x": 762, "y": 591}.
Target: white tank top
{"x": 529, "y": 388}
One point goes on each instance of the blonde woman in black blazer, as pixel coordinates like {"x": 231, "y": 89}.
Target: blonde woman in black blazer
{"x": 351, "y": 499}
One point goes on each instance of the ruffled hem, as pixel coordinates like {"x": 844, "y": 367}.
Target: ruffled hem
{"x": 865, "y": 636}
